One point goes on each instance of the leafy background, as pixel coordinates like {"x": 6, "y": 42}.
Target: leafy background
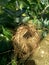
{"x": 15, "y": 12}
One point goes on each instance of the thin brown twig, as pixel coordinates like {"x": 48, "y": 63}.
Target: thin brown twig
{"x": 9, "y": 63}
{"x": 44, "y": 9}
{"x": 6, "y": 52}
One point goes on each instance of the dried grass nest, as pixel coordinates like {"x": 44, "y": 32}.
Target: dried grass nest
{"x": 25, "y": 40}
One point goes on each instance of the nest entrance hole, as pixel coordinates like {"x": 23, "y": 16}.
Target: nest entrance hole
{"x": 27, "y": 35}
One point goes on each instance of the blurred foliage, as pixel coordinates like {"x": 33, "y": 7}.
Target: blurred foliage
{"x": 16, "y": 12}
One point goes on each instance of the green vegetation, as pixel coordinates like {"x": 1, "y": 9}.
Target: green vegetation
{"x": 15, "y": 12}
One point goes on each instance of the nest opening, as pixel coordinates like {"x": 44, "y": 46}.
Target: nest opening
{"x": 27, "y": 35}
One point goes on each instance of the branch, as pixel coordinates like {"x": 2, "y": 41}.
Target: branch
{"x": 6, "y": 51}
{"x": 44, "y": 9}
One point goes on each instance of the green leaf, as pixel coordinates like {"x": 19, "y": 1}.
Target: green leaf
{"x": 14, "y": 62}
{"x": 4, "y": 2}
{"x": 44, "y": 2}
{"x": 7, "y": 33}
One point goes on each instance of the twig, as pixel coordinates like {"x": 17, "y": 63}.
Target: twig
{"x": 44, "y": 9}
{"x": 9, "y": 63}
{"x": 6, "y": 52}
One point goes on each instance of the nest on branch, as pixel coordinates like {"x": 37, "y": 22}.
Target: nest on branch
{"x": 25, "y": 40}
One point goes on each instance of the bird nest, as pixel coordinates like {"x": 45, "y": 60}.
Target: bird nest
{"x": 25, "y": 40}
